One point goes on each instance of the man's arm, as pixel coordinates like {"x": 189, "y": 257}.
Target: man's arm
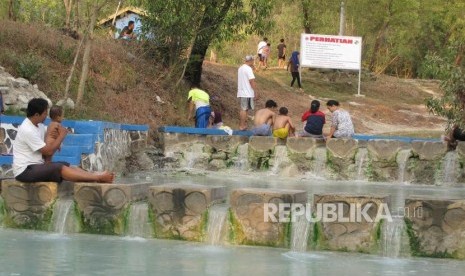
{"x": 254, "y": 87}
{"x": 52, "y": 146}
{"x": 190, "y": 109}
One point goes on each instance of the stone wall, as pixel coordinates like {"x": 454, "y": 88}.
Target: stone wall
{"x": 181, "y": 211}
{"x": 435, "y": 226}
{"x": 111, "y": 152}
{"x": 18, "y": 92}
{"x": 352, "y": 231}
{"x": 421, "y": 162}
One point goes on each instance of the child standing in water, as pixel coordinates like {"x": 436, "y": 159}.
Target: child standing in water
{"x": 56, "y": 115}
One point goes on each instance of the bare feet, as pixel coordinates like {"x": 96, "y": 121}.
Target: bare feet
{"x": 106, "y": 177}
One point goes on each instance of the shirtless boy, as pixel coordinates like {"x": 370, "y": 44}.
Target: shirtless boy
{"x": 264, "y": 119}
{"x": 282, "y": 125}
{"x": 56, "y": 115}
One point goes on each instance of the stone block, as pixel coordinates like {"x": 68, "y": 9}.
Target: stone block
{"x": 138, "y": 145}
{"x": 384, "y": 150}
{"x": 103, "y": 207}
{"x": 303, "y": 144}
{"x": 260, "y": 151}
{"x": 247, "y": 216}
{"x": 436, "y": 226}
{"x": 181, "y": 211}
{"x": 341, "y": 157}
{"x": 3, "y": 148}
{"x": 226, "y": 143}
{"x": 342, "y": 148}
{"x": 461, "y": 149}
{"x": 173, "y": 142}
{"x": 29, "y": 205}
{"x": 262, "y": 143}
{"x": 301, "y": 151}
{"x": 351, "y": 231}
{"x": 219, "y": 155}
{"x": 429, "y": 150}
{"x": 2, "y": 135}
{"x": 217, "y": 164}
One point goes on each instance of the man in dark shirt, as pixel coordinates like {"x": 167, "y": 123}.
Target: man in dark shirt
{"x": 281, "y": 54}
{"x": 128, "y": 31}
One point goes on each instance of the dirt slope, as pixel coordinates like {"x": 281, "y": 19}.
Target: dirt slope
{"x": 389, "y": 106}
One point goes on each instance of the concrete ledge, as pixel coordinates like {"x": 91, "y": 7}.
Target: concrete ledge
{"x": 429, "y": 150}
{"x": 303, "y": 144}
{"x": 181, "y": 211}
{"x": 384, "y": 150}
{"x": 436, "y": 227}
{"x": 200, "y": 131}
{"x": 342, "y": 148}
{"x": 30, "y": 205}
{"x": 103, "y": 208}
{"x": 358, "y": 235}
{"x": 247, "y": 216}
{"x": 227, "y": 144}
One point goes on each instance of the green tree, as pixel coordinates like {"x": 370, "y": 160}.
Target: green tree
{"x": 183, "y": 30}
{"x": 452, "y": 103}
{"x": 320, "y": 16}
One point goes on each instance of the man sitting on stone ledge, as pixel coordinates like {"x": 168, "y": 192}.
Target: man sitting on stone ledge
{"x": 29, "y": 147}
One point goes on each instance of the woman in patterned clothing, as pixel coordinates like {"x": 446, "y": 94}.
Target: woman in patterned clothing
{"x": 341, "y": 123}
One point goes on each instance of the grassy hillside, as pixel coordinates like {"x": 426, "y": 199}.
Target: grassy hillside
{"x": 124, "y": 84}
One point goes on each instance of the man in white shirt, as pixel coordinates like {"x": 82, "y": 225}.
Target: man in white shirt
{"x": 246, "y": 90}
{"x": 261, "y": 57}
{"x": 29, "y": 148}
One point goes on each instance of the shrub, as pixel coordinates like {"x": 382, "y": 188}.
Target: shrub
{"x": 63, "y": 54}
{"x": 29, "y": 66}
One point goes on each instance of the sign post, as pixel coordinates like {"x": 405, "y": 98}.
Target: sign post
{"x": 332, "y": 52}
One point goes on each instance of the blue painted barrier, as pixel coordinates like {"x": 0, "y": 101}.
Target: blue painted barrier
{"x": 82, "y": 141}
{"x": 201, "y": 131}
{"x": 6, "y": 159}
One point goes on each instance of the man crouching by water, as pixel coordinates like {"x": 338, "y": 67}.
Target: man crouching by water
{"x": 264, "y": 119}
{"x": 29, "y": 148}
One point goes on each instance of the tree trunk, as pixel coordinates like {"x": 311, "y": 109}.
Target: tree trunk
{"x": 68, "y": 7}
{"x": 11, "y": 10}
{"x": 459, "y": 55}
{"x": 77, "y": 20}
{"x": 86, "y": 56}
{"x": 208, "y": 27}
{"x": 68, "y": 80}
{"x": 379, "y": 38}
{"x": 306, "y": 12}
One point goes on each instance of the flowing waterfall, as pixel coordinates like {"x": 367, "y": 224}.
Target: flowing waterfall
{"x": 139, "y": 224}
{"x": 1, "y": 211}
{"x": 62, "y": 221}
{"x": 216, "y": 219}
{"x": 449, "y": 168}
{"x": 360, "y": 158}
{"x": 402, "y": 158}
{"x": 280, "y": 155}
{"x": 394, "y": 239}
{"x": 319, "y": 162}
{"x": 242, "y": 159}
{"x": 300, "y": 232}
{"x": 192, "y": 155}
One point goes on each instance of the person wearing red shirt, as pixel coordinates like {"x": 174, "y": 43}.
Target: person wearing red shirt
{"x": 315, "y": 119}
